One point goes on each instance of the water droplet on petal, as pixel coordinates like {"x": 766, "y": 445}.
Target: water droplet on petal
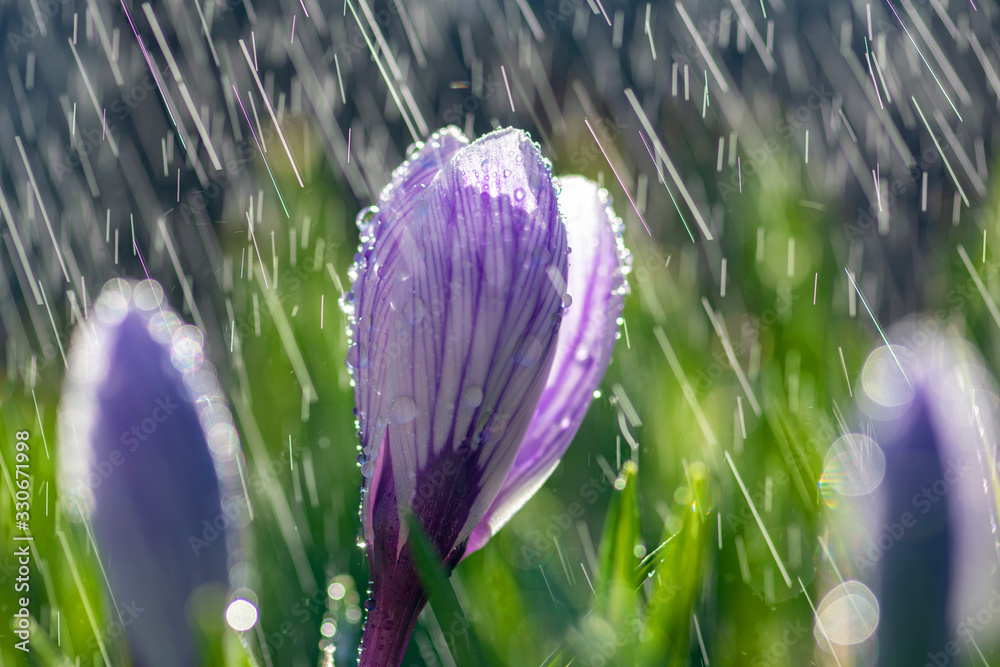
{"x": 357, "y": 356}
{"x": 581, "y": 354}
{"x": 529, "y": 352}
{"x": 402, "y": 410}
{"x": 367, "y": 469}
{"x": 413, "y": 311}
{"x": 541, "y": 255}
{"x": 365, "y": 217}
{"x": 495, "y": 428}
{"x": 519, "y": 194}
{"x": 567, "y": 300}
{"x": 472, "y": 397}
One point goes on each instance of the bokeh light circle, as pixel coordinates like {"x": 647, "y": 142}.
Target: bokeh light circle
{"x": 848, "y": 614}
{"x": 241, "y": 615}
{"x": 854, "y": 466}
{"x": 883, "y": 379}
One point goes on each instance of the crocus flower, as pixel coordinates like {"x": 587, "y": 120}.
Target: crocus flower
{"x": 147, "y": 448}
{"x": 930, "y": 557}
{"x": 477, "y": 344}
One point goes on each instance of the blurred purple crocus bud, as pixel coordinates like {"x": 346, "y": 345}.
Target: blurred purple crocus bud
{"x": 148, "y": 455}
{"x": 459, "y": 292}
{"x": 930, "y": 555}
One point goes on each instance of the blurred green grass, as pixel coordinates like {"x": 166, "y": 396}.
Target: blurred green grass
{"x": 561, "y": 583}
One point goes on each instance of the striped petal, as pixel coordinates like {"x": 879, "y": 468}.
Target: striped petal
{"x": 395, "y": 202}
{"x": 597, "y": 287}
{"x": 462, "y": 300}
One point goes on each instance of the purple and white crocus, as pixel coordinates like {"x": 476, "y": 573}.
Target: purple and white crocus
{"x": 478, "y": 341}
{"x": 148, "y": 456}
{"x": 929, "y": 551}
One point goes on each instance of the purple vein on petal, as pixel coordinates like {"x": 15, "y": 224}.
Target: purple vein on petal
{"x": 462, "y": 328}
{"x": 597, "y": 287}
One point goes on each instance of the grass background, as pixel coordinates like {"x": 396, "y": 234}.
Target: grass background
{"x": 564, "y": 582}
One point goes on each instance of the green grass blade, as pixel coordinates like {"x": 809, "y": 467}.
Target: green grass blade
{"x": 616, "y": 592}
{"x": 465, "y": 646}
{"x": 677, "y": 574}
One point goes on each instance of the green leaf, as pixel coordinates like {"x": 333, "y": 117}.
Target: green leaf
{"x": 677, "y": 570}
{"x": 616, "y": 592}
{"x": 464, "y": 645}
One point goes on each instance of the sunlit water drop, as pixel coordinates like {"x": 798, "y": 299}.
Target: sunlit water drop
{"x": 472, "y": 396}
{"x": 402, "y": 410}
{"x": 241, "y": 615}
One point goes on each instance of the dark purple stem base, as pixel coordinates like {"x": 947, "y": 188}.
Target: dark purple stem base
{"x": 398, "y": 599}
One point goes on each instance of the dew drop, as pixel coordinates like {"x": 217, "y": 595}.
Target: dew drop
{"x": 541, "y": 255}
{"x": 414, "y": 310}
{"x": 529, "y": 352}
{"x": 495, "y": 429}
{"x": 357, "y": 356}
{"x": 472, "y": 397}
{"x": 402, "y": 410}
{"x": 367, "y": 469}
{"x": 365, "y": 217}
{"x": 567, "y": 300}
{"x": 519, "y": 194}
{"x": 581, "y": 354}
